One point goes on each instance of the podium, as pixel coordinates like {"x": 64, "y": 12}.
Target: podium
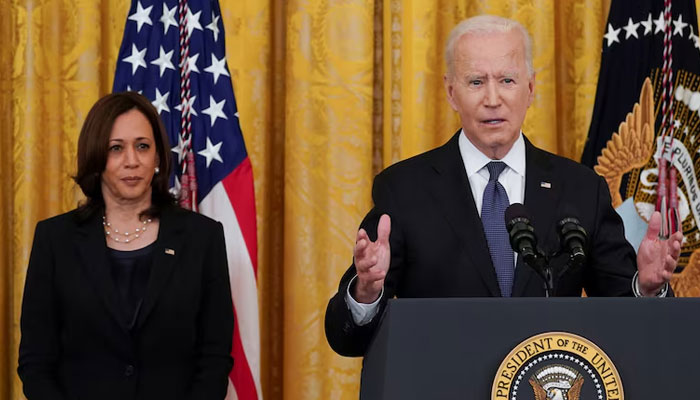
{"x": 454, "y": 348}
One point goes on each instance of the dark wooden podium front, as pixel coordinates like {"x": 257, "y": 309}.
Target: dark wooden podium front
{"x": 452, "y": 348}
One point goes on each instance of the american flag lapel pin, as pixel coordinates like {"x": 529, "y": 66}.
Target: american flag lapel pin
{"x": 170, "y": 252}
{"x": 545, "y": 185}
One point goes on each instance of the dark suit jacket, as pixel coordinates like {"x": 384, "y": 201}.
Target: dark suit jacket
{"x": 76, "y": 343}
{"x": 438, "y": 246}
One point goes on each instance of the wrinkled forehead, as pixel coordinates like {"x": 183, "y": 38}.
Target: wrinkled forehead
{"x": 493, "y": 51}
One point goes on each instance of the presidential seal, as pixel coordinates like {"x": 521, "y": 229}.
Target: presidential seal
{"x": 557, "y": 366}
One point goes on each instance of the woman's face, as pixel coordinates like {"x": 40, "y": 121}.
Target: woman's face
{"x": 131, "y": 160}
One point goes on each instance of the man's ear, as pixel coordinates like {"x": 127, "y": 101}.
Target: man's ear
{"x": 449, "y": 91}
{"x": 531, "y": 89}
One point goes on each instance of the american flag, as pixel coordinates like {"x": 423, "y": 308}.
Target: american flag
{"x": 213, "y": 173}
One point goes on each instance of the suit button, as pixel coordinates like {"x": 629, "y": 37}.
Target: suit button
{"x": 129, "y": 370}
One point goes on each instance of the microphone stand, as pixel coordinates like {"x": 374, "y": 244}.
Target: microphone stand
{"x": 548, "y": 281}
{"x": 540, "y": 263}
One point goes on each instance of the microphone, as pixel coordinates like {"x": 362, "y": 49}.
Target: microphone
{"x": 524, "y": 242}
{"x": 522, "y": 234}
{"x": 573, "y": 238}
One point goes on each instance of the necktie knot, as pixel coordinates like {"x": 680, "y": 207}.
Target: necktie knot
{"x": 495, "y": 168}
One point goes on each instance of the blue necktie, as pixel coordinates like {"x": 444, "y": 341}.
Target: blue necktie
{"x": 493, "y": 209}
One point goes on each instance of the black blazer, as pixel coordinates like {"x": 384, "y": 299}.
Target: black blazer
{"x": 438, "y": 245}
{"x": 77, "y": 345}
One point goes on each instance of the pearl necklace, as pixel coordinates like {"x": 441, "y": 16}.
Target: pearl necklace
{"x": 126, "y": 237}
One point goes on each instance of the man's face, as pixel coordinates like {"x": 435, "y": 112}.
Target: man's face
{"x": 491, "y": 89}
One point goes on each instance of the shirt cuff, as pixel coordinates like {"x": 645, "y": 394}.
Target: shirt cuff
{"x": 362, "y": 313}
{"x": 663, "y": 292}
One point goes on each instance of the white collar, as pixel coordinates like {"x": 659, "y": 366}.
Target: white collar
{"x": 474, "y": 160}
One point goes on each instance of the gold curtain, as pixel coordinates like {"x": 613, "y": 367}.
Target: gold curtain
{"x": 329, "y": 92}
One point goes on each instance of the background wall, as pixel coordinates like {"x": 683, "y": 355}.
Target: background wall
{"x": 329, "y": 93}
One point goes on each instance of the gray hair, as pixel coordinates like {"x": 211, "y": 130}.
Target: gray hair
{"x": 482, "y": 24}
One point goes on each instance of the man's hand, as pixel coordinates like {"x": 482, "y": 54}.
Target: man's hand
{"x": 657, "y": 258}
{"x": 372, "y": 262}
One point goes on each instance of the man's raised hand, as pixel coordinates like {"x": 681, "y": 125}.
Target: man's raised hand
{"x": 372, "y": 261}
{"x": 657, "y": 258}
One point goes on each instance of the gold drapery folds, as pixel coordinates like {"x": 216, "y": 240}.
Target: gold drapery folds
{"x": 329, "y": 92}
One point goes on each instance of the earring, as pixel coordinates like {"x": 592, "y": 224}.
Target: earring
{"x": 157, "y": 170}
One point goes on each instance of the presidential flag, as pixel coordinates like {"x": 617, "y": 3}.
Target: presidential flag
{"x": 173, "y": 53}
{"x": 644, "y": 137}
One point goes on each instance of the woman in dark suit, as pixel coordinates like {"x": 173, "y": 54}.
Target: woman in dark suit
{"x": 127, "y": 296}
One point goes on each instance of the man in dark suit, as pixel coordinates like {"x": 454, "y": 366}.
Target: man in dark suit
{"x": 437, "y": 226}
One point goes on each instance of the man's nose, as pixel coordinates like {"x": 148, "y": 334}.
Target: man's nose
{"x": 493, "y": 97}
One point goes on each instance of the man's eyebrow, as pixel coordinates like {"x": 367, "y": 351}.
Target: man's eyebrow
{"x": 475, "y": 75}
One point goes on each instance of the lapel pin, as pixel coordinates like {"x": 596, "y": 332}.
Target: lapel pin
{"x": 545, "y": 185}
{"x": 170, "y": 252}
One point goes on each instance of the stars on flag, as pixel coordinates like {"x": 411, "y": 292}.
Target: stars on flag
{"x": 136, "y": 59}
{"x": 631, "y": 29}
{"x": 168, "y": 18}
{"x": 678, "y": 26}
{"x": 164, "y": 61}
{"x": 179, "y": 149}
{"x": 214, "y": 26}
{"x": 141, "y": 16}
{"x": 211, "y": 152}
{"x": 161, "y": 101}
{"x": 217, "y": 67}
{"x": 192, "y": 63}
{"x": 649, "y": 24}
{"x": 193, "y": 21}
{"x": 611, "y": 35}
{"x": 148, "y": 63}
{"x": 659, "y": 23}
{"x": 694, "y": 38}
{"x": 215, "y": 110}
